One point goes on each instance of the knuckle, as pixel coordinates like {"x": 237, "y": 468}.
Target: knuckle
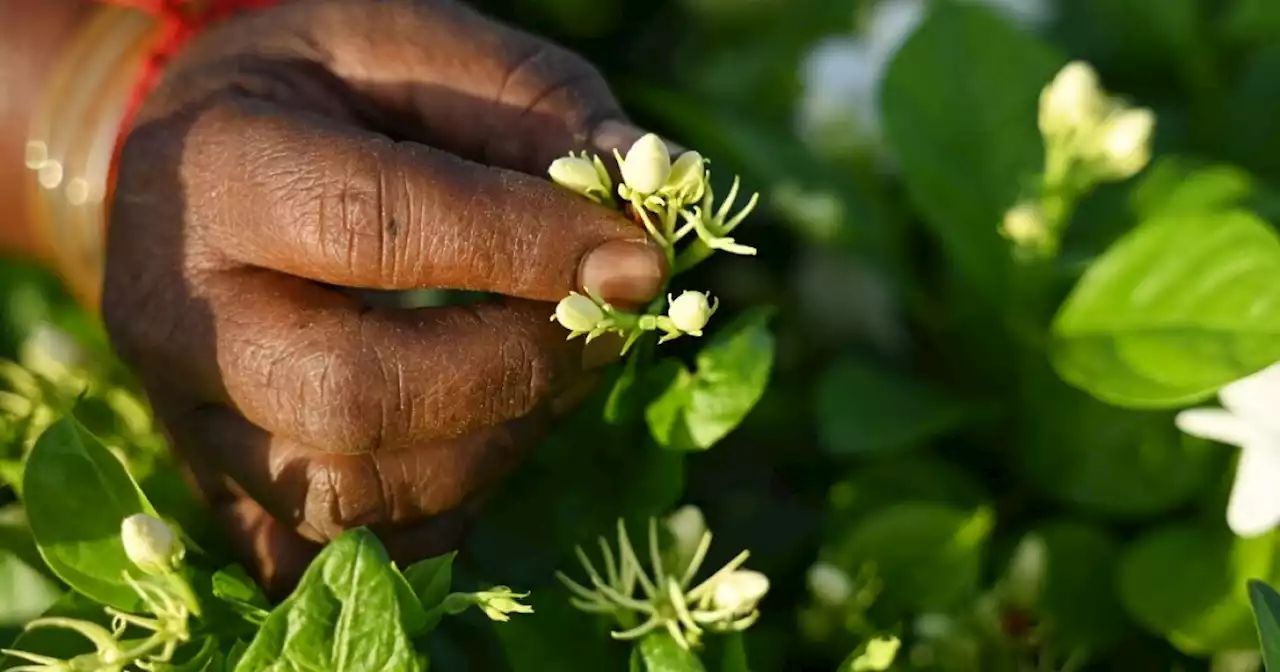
{"x": 330, "y": 401}
{"x": 344, "y": 493}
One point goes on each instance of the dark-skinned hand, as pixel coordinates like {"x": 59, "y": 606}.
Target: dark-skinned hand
{"x": 294, "y": 153}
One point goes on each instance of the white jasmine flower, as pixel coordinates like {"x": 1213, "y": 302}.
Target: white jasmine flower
{"x": 1124, "y": 142}
{"x": 740, "y": 592}
{"x": 1249, "y": 420}
{"x": 687, "y": 525}
{"x": 1073, "y": 103}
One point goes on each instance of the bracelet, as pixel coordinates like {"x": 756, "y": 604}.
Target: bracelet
{"x": 80, "y": 114}
{"x": 86, "y": 112}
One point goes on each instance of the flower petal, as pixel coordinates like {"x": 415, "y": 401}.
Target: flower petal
{"x": 1215, "y": 424}
{"x": 1255, "y": 397}
{"x": 1254, "y": 506}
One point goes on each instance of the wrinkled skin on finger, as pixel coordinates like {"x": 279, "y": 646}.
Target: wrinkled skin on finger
{"x": 295, "y": 152}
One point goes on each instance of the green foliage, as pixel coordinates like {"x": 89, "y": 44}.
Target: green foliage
{"x": 945, "y": 454}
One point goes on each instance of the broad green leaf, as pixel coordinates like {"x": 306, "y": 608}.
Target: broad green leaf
{"x": 343, "y": 616}
{"x": 1063, "y": 572}
{"x": 700, "y": 409}
{"x": 659, "y": 652}
{"x": 234, "y": 586}
{"x": 865, "y": 408}
{"x": 928, "y": 556}
{"x": 959, "y": 106}
{"x": 1173, "y": 311}
{"x": 1173, "y": 187}
{"x": 1189, "y": 585}
{"x": 1079, "y": 451}
{"x": 1266, "y": 614}
{"x": 77, "y": 493}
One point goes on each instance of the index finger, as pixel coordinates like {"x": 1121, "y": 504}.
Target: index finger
{"x": 343, "y": 206}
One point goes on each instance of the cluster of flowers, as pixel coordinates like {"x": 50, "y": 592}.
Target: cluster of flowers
{"x": 153, "y": 548}
{"x": 726, "y": 601}
{"x": 1090, "y": 137}
{"x": 671, "y": 200}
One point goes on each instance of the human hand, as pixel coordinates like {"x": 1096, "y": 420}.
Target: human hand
{"x": 385, "y": 145}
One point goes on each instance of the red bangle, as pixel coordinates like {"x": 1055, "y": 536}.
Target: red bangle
{"x": 180, "y": 21}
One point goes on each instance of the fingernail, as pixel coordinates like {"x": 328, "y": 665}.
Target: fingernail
{"x": 623, "y": 271}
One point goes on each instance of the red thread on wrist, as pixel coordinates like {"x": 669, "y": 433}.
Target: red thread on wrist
{"x": 180, "y": 21}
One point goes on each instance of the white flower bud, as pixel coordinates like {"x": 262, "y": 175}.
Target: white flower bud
{"x": 578, "y": 313}
{"x": 150, "y": 544}
{"x": 688, "y": 178}
{"x": 1124, "y": 142}
{"x": 740, "y": 591}
{"x": 689, "y": 312}
{"x": 1025, "y": 225}
{"x": 647, "y": 165}
{"x": 687, "y": 525}
{"x": 499, "y": 602}
{"x": 579, "y": 175}
{"x": 1073, "y": 102}
{"x": 829, "y": 584}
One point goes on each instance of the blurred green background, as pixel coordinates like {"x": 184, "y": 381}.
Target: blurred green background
{"x": 1013, "y": 522}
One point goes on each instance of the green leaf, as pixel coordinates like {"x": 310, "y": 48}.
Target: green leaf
{"x": 77, "y": 493}
{"x": 25, "y": 592}
{"x": 875, "y": 655}
{"x": 659, "y": 652}
{"x": 1063, "y": 571}
{"x": 1082, "y": 452}
{"x": 928, "y": 556}
{"x": 959, "y": 106}
{"x": 1173, "y": 311}
{"x": 1189, "y": 585}
{"x": 1172, "y": 187}
{"x": 26, "y": 588}
{"x": 700, "y": 409}
{"x": 343, "y": 617}
{"x": 235, "y": 653}
{"x": 431, "y": 578}
{"x": 863, "y": 408}
{"x": 1266, "y": 613}
{"x": 413, "y": 617}
{"x": 234, "y": 586}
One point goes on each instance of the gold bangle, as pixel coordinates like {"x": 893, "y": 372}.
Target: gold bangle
{"x": 72, "y": 138}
